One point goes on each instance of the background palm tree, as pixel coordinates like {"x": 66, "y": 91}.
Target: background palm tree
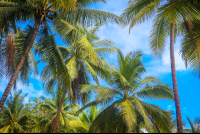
{"x": 74, "y": 62}
{"x": 167, "y": 14}
{"x": 13, "y": 116}
{"x": 41, "y": 12}
{"x": 127, "y": 111}
{"x": 47, "y": 121}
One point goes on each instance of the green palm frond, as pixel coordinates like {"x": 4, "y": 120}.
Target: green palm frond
{"x": 160, "y": 116}
{"x": 96, "y": 27}
{"x": 139, "y": 7}
{"x": 78, "y": 124}
{"x": 156, "y": 92}
{"x": 56, "y": 65}
{"x": 195, "y": 126}
{"x": 92, "y": 72}
{"x": 159, "y": 34}
{"x": 140, "y": 108}
{"x": 103, "y": 43}
{"x": 145, "y": 13}
{"x": 128, "y": 113}
{"x": 150, "y": 80}
{"x": 108, "y": 121}
{"x": 190, "y": 49}
{"x": 102, "y": 92}
{"x": 176, "y": 10}
{"x": 88, "y": 17}
{"x": 64, "y": 28}
{"x": 5, "y": 129}
{"x": 106, "y": 50}
{"x": 72, "y": 67}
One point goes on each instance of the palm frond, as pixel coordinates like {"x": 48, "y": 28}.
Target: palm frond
{"x": 158, "y": 36}
{"x": 108, "y": 121}
{"x": 156, "y": 92}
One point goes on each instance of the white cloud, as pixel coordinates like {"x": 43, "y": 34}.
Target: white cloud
{"x": 170, "y": 107}
{"x": 138, "y": 40}
{"x": 37, "y": 77}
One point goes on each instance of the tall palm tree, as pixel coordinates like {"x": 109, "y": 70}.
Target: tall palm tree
{"x": 167, "y": 15}
{"x": 41, "y": 12}
{"x": 80, "y": 60}
{"x": 14, "y": 115}
{"x": 46, "y": 122}
{"x": 11, "y": 53}
{"x": 126, "y": 109}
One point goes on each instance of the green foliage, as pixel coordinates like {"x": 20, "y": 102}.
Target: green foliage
{"x": 195, "y": 126}
{"x": 125, "y": 107}
{"x": 81, "y": 59}
{"x": 14, "y": 115}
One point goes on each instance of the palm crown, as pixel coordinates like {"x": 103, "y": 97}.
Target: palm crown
{"x": 81, "y": 60}
{"x": 127, "y": 90}
{"x": 14, "y": 115}
{"x": 46, "y": 122}
{"x": 58, "y": 13}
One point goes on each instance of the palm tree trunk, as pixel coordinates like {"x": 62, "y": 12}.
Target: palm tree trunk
{"x": 158, "y": 129}
{"x": 58, "y": 112}
{"x": 125, "y": 128}
{"x": 19, "y": 66}
{"x": 175, "y": 86}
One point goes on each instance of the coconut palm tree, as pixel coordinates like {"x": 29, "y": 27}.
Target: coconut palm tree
{"x": 14, "y": 114}
{"x": 168, "y": 14}
{"x": 43, "y": 12}
{"x": 81, "y": 65}
{"x": 79, "y": 60}
{"x": 11, "y": 53}
{"x": 126, "y": 109}
{"x": 46, "y": 122}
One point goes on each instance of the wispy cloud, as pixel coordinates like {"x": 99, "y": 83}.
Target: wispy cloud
{"x": 37, "y": 77}
{"x": 171, "y": 107}
{"x": 138, "y": 40}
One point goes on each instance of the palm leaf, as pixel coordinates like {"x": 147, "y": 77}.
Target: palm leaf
{"x": 156, "y": 92}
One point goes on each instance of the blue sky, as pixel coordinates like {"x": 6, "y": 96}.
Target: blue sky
{"x": 138, "y": 40}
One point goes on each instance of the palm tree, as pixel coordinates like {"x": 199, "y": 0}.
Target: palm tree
{"x": 46, "y": 122}
{"x": 42, "y": 12}
{"x": 14, "y": 114}
{"x": 81, "y": 65}
{"x": 126, "y": 110}
{"x": 80, "y": 60}
{"x": 168, "y": 15}
{"x": 12, "y": 51}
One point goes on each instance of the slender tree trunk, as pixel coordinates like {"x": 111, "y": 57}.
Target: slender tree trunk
{"x": 19, "y": 66}
{"x": 58, "y": 112}
{"x": 125, "y": 128}
{"x": 175, "y": 86}
{"x": 158, "y": 129}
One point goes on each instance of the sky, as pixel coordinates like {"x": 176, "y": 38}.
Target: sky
{"x": 188, "y": 84}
